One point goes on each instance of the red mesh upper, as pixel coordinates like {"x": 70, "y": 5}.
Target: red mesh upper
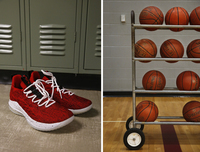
{"x": 70, "y": 102}
{"x": 52, "y": 114}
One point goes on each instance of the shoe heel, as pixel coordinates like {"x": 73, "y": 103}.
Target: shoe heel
{"x": 13, "y": 107}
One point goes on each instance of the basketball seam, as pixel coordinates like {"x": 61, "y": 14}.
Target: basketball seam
{"x": 156, "y": 11}
{"x": 159, "y": 16}
{"x": 151, "y": 45}
{"x": 165, "y": 51}
{"x": 170, "y": 14}
{"x": 191, "y": 50}
{"x": 196, "y": 76}
{"x": 197, "y": 14}
{"x": 190, "y": 45}
{"x": 178, "y": 15}
{"x": 156, "y": 80}
{"x": 156, "y": 109}
{"x": 143, "y": 103}
{"x": 196, "y": 117}
{"x": 149, "y": 113}
{"x": 174, "y": 49}
{"x": 143, "y": 48}
{"x": 191, "y": 54}
{"x": 187, "y": 20}
{"x": 149, "y": 77}
{"x": 191, "y": 81}
{"x": 182, "y": 81}
{"x": 190, "y": 110}
{"x": 152, "y": 13}
{"x": 178, "y": 18}
{"x": 142, "y": 111}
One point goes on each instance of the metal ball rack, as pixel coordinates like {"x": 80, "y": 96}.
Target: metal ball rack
{"x": 134, "y": 137}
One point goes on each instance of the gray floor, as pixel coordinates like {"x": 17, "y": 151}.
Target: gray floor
{"x": 83, "y": 134}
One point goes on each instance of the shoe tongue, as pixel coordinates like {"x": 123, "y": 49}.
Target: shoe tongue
{"x": 34, "y": 76}
{"x": 25, "y": 82}
{"x": 46, "y": 78}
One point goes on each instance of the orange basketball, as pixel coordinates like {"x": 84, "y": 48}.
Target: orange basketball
{"x": 195, "y": 17}
{"x": 193, "y": 50}
{"x": 145, "y": 48}
{"x": 153, "y": 80}
{"x": 191, "y": 111}
{"x": 146, "y": 111}
{"x": 177, "y": 16}
{"x": 171, "y": 49}
{"x": 151, "y": 15}
{"x": 187, "y": 80}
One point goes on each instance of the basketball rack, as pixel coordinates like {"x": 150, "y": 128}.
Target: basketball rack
{"x": 134, "y": 137}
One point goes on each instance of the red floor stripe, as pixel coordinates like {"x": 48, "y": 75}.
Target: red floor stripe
{"x": 170, "y": 140}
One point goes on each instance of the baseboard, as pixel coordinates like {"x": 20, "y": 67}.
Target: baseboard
{"x": 129, "y": 94}
{"x": 117, "y": 94}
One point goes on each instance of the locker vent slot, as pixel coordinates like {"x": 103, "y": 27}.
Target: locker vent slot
{"x": 52, "y": 39}
{"x": 6, "y": 43}
{"x": 98, "y": 42}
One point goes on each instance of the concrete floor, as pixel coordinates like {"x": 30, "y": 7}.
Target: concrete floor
{"x": 83, "y": 134}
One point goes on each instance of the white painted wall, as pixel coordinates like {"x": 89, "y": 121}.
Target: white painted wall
{"x": 117, "y": 65}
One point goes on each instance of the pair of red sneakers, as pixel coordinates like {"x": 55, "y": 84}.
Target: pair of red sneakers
{"x": 45, "y": 106}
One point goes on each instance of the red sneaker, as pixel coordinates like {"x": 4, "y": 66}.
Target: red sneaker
{"x": 65, "y": 97}
{"x": 33, "y": 102}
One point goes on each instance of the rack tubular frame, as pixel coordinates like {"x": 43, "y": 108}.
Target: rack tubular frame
{"x": 136, "y": 90}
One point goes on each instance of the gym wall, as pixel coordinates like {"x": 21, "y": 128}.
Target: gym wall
{"x": 117, "y": 59}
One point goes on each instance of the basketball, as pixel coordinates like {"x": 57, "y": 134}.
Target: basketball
{"x": 146, "y": 111}
{"x": 153, "y": 80}
{"x": 177, "y": 16}
{"x": 187, "y": 80}
{"x": 171, "y": 49}
{"x": 193, "y": 50}
{"x": 195, "y": 17}
{"x": 145, "y": 48}
{"x": 191, "y": 111}
{"x": 151, "y": 15}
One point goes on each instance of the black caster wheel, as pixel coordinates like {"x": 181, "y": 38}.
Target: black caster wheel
{"x": 134, "y": 139}
{"x": 129, "y": 124}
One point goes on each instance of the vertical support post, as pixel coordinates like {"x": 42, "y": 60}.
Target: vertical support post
{"x": 133, "y": 67}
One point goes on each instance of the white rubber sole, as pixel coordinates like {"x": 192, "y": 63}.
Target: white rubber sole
{"x": 17, "y": 109}
{"x": 80, "y": 111}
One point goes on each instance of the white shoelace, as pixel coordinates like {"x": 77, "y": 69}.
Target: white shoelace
{"x": 45, "y": 95}
{"x": 54, "y": 84}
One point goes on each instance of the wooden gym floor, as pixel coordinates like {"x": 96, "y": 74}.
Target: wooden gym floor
{"x": 116, "y": 110}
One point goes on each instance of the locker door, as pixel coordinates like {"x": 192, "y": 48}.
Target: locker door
{"x": 92, "y": 58}
{"x": 10, "y": 35}
{"x": 52, "y": 33}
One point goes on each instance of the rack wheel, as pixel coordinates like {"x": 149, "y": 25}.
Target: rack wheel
{"x": 129, "y": 124}
{"x": 134, "y": 139}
